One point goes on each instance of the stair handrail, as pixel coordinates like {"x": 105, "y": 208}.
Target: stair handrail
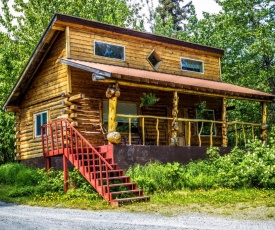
{"x": 68, "y": 125}
{"x": 55, "y": 145}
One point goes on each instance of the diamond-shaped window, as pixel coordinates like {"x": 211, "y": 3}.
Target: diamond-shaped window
{"x": 154, "y": 59}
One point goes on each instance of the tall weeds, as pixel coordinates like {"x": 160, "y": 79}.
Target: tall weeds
{"x": 26, "y": 181}
{"x": 253, "y": 166}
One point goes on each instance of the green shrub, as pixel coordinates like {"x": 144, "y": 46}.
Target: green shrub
{"x": 22, "y": 191}
{"x": 77, "y": 181}
{"x": 18, "y": 174}
{"x": 51, "y": 181}
{"x": 253, "y": 166}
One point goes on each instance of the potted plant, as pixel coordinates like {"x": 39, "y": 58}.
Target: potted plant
{"x": 148, "y": 99}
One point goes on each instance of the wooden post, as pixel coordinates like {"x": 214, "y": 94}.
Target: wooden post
{"x": 112, "y": 114}
{"x": 65, "y": 171}
{"x": 264, "y": 123}
{"x": 175, "y": 124}
{"x": 130, "y": 131}
{"x": 113, "y": 92}
{"x": 224, "y": 125}
{"x": 188, "y": 134}
{"x": 48, "y": 164}
{"x": 157, "y": 128}
{"x": 186, "y": 129}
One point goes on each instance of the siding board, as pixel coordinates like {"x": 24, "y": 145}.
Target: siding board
{"x": 136, "y": 51}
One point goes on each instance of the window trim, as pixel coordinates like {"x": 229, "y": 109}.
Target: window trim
{"x": 109, "y": 43}
{"x": 214, "y": 128}
{"x": 202, "y": 62}
{"x": 35, "y": 122}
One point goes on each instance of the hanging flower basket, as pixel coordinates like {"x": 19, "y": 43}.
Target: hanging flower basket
{"x": 148, "y": 99}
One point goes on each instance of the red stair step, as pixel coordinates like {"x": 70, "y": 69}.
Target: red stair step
{"x": 118, "y": 202}
{"x": 138, "y": 192}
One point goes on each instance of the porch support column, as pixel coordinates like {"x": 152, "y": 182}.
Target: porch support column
{"x": 224, "y": 124}
{"x": 175, "y": 124}
{"x": 264, "y": 123}
{"x": 113, "y": 92}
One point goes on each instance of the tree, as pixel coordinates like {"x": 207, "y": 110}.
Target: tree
{"x": 177, "y": 10}
{"x": 24, "y": 25}
{"x": 6, "y": 82}
{"x": 245, "y": 30}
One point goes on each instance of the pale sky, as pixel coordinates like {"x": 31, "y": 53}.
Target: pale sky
{"x": 209, "y": 6}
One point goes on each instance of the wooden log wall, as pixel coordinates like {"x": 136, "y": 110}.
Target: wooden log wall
{"x": 150, "y": 124}
{"x": 84, "y": 113}
{"x": 137, "y": 50}
{"x": 42, "y": 95}
{"x": 82, "y": 83}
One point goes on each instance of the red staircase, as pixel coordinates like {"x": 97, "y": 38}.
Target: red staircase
{"x": 96, "y": 164}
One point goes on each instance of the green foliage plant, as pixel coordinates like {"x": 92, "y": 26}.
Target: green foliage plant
{"x": 250, "y": 167}
{"x": 148, "y": 99}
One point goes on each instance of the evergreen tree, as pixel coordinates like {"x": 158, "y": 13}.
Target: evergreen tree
{"x": 177, "y": 10}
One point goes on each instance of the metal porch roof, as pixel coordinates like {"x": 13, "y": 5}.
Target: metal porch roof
{"x": 169, "y": 81}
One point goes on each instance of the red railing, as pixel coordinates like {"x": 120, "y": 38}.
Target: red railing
{"x": 60, "y": 137}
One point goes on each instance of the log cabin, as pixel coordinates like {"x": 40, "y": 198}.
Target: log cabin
{"x": 104, "y": 97}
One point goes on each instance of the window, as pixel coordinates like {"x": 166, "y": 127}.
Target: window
{"x": 39, "y": 120}
{"x": 109, "y": 50}
{"x": 122, "y": 123}
{"x": 192, "y": 65}
{"x": 209, "y": 115}
{"x": 154, "y": 60}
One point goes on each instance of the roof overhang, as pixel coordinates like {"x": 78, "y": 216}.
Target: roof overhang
{"x": 167, "y": 82}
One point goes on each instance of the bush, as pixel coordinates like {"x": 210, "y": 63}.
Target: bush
{"x": 253, "y": 166}
{"x": 30, "y": 181}
{"x": 18, "y": 174}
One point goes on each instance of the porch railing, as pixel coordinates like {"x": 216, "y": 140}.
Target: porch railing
{"x": 240, "y": 129}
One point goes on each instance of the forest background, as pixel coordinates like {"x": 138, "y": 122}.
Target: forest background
{"x": 245, "y": 29}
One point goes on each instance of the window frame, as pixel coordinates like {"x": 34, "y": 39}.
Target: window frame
{"x": 202, "y": 62}
{"x": 214, "y": 125}
{"x": 157, "y": 57}
{"x": 41, "y": 121}
{"x": 112, "y": 44}
{"x": 126, "y": 122}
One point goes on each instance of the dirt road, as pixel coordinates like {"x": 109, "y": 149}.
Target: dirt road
{"x": 15, "y": 217}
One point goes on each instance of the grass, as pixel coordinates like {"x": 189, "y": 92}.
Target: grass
{"x": 239, "y": 185}
{"x": 240, "y": 203}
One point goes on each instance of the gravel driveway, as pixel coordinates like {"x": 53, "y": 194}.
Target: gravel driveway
{"x": 28, "y": 217}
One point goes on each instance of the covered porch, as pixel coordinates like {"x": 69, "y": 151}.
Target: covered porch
{"x": 188, "y": 112}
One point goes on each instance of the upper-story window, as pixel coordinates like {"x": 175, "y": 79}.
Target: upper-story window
{"x": 109, "y": 50}
{"x": 192, "y": 65}
{"x": 154, "y": 59}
